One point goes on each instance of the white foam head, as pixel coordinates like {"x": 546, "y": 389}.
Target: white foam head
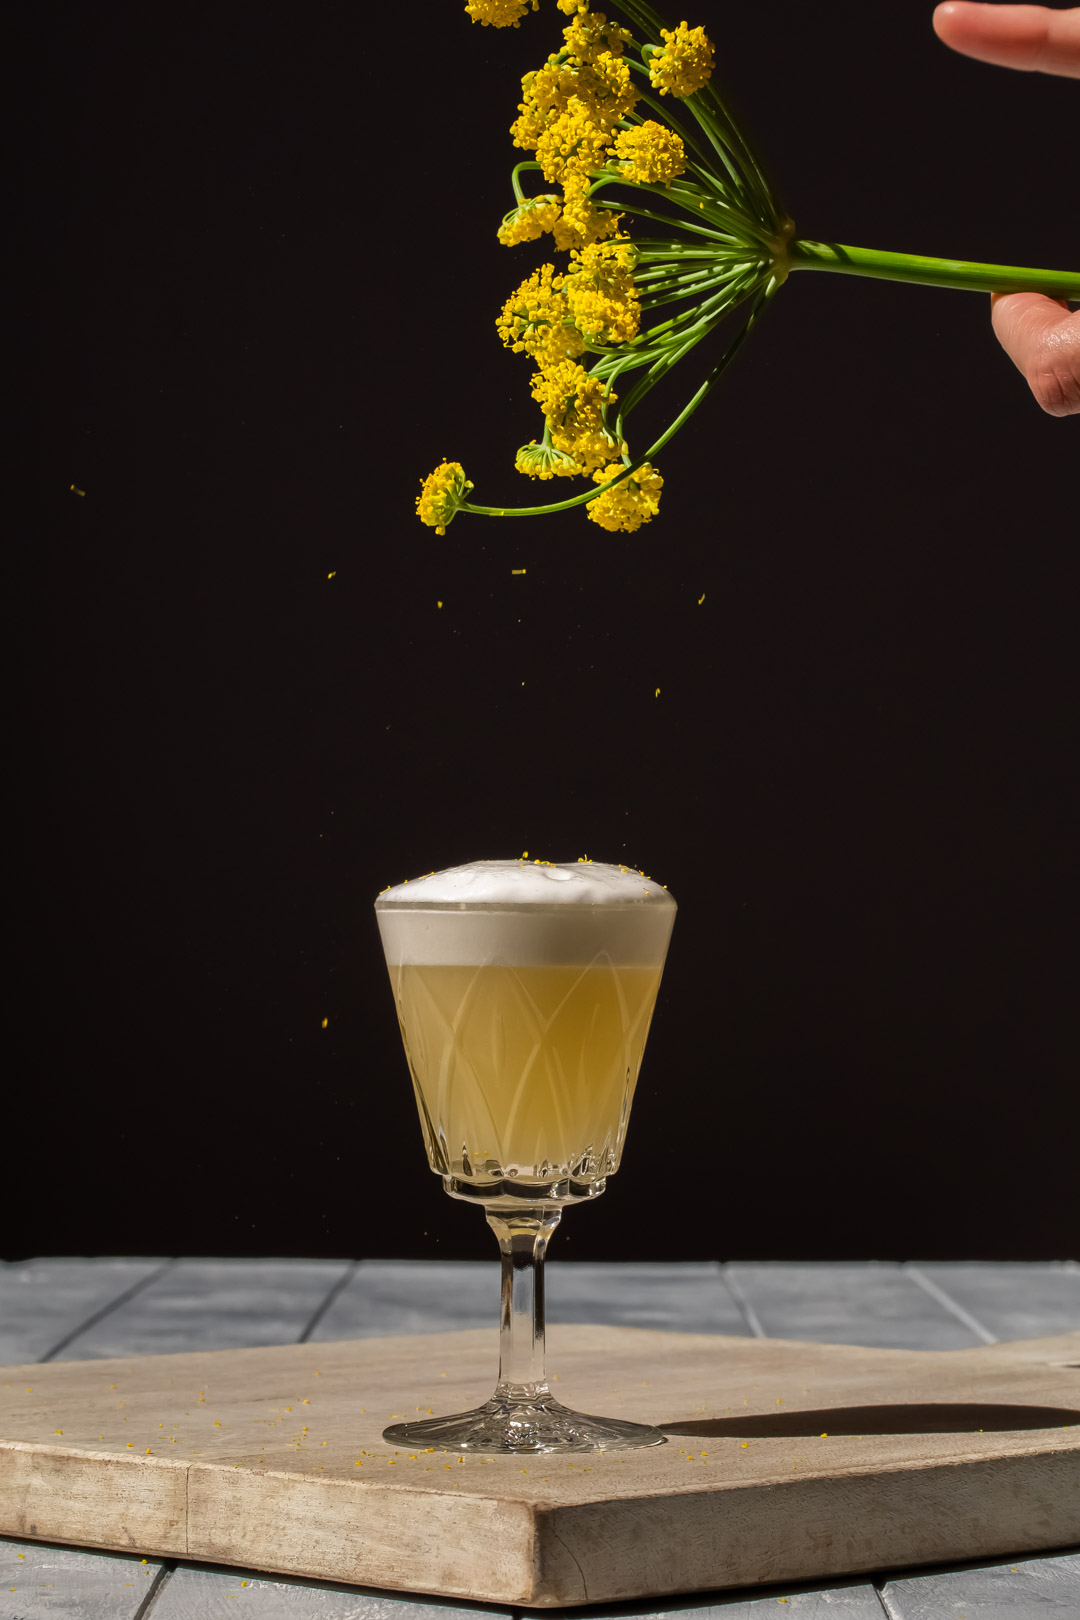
{"x": 526, "y": 912}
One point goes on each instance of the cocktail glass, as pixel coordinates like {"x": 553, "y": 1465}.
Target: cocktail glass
{"x": 524, "y": 993}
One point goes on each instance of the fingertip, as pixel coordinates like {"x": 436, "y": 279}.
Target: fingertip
{"x": 943, "y": 18}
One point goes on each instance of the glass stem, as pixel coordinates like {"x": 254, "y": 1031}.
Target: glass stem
{"x": 523, "y": 1239}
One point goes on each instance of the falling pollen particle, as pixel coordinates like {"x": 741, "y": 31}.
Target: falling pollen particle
{"x": 78, "y": 492}
{"x": 657, "y": 691}
{"x": 331, "y": 574}
{"x": 517, "y": 570}
{"x": 325, "y": 1022}
{"x": 438, "y": 604}
{"x": 701, "y": 599}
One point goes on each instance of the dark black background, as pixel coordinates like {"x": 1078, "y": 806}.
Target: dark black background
{"x": 263, "y": 278}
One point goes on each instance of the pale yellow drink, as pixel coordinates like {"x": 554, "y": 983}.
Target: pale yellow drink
{"x": 524, "y": 996}
{"x": 525, "y": 1071}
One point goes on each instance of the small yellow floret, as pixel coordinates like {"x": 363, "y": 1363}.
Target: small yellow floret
{"x": 544, "y": 461}
{"x": 529, "y": 220}
{"x": 651, "y": 154}
{"x": 600, "y": 292}
{"x": 590, "y": 34}
{"x": 573, "y": 402}
{"x": 441, "y": 494}
{"x": 684, "y": 64}
{"x": 536, "y": 320}
{"x": 636, "y": 500}
{"x": 499, "y": 13}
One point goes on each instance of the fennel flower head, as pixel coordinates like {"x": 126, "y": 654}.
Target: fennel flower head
{"x": 630, "y": 162}
{"x": 442, "y": 492}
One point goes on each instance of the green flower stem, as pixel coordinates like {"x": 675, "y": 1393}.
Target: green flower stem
{"x": 694, "y": 199}
{"x": 518, "y": 193}
{"x": 760, "y": 302}
{"x": 672, "y": 224}
{"x": 960, "y": 273}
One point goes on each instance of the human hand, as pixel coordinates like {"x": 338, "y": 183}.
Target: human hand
{"x": 1039, "y": 334}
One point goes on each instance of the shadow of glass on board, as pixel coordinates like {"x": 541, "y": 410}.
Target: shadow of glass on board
{"x": 935, "y": 1417}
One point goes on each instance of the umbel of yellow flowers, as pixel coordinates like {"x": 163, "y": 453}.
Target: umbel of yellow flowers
{"x": 625, "y": 123}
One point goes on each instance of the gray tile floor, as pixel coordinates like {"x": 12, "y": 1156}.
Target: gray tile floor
{"x": 80, "y": 1309}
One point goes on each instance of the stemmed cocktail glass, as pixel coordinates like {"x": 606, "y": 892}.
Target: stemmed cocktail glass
{"x": 524, "y": 993}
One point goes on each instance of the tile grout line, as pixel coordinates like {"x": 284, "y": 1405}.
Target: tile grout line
{"x": 745, "y": 1309}
{"x": 886, "y": 1603}
{"x": 320, "y": 1311}
{"x": 162, "y": 1579}
{"x": 932, "y": 1288}
{"x": 114, "y": 1304}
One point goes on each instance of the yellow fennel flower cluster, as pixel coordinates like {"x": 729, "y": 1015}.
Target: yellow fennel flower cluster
{"x": 685, "y": 62}
{"x": 499, "y": 13}
{"x": 600, "y": 292}
{"x": 591, "y": 33}
{"x": 536, "y": 320}
{"x": 530, "y": 220}
{"x": 631, "y": 503}
{"x": 581, "y": 221}
{"x": 573, "y": 403}
{"x": 441, "y": 493}
{"x": 570, "y": 110}
{"x": 649, "y": 154}
{"x": 544, "y": 461}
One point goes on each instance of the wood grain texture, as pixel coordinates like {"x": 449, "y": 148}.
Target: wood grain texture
{"x": 42, "y": 1302}
{"x": 213, "y": 1305}
{"x": 1020, "y": 1589}
{"x": 1013, "y": 1300}
{"x": 273, "y": 1458}
{"x": 869, "y": 1303}
{"x": 40, "y": 1582}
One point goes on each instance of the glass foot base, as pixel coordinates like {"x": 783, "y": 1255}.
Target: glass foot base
{"x": 516, "y": 1427}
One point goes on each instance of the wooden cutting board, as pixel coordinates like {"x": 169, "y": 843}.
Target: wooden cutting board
{"x": 785, "y": 1461}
